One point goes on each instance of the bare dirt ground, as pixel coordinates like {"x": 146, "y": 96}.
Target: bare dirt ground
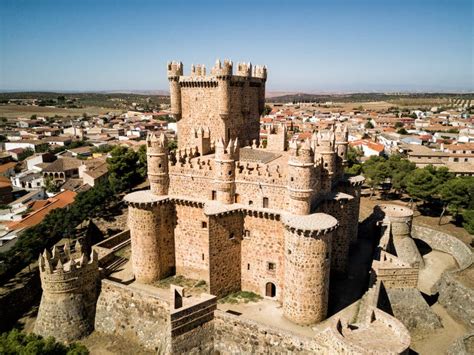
{"x": 14, "y": 111}
{"x": 438, "y": 341}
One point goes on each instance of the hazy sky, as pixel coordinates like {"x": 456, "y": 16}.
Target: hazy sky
{"x": 325, "y": 45}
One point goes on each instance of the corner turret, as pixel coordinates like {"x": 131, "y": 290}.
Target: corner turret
{"x": 224, "y": 181}
{"x": 175, "y": 70}
{"x": 70, "y": 291}
{"x": 157, "y": 161}
{"x": 300, "y": 177}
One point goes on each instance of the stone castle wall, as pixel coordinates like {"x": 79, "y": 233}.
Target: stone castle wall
{"x": 235, "y": 335}
{"x": 225, "y": 235}
{"x": 135, "y": 313}
{"x": 263, "y": 243}
{"x": 192, "y": 242}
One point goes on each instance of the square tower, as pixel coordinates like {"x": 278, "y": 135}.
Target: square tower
{"x": 227, "y": 105}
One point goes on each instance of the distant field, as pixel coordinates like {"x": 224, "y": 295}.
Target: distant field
{"x": 14, "y": 111}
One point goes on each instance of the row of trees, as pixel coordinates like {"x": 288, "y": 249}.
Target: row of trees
{"x": 436, "y": 188}
{"x": 16, "y": 342}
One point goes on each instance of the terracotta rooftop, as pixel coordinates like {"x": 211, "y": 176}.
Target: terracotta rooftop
{"x": 7, "y": 166}
{"x": 61, "y": 200}
{"x": 63, "y": 164}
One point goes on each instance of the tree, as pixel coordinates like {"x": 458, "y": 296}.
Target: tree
{"x": 375, "y": 171}
{"x": 172, "y": 146}
{"x": 123, "y": 168}
{"x": 33, "y": 117}
{"x": 399, "y": 169}
{"x": 423, "y": 184}
{"x": 25, "y": 154}
{"x": 458, "y": 194}
{"x": 16, "y": 342}
{"x": 402, "y": 131}
{"x": 398, "y": 124}
{"x": 142, "y": 161}
{"x": 50, "y": 185}
{"x": 369, "y": 125}
{"x": 267, "y": 110}
{"x": 468, "y": 217}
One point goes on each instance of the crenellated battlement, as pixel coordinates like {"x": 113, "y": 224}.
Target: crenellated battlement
{"x": 325, "y": 141}
{"x": 175, "y": 69}
{"x": 231, "y": 152}
{"x": 156, "y": 142}
{"x": 222, "y": 69}
{"x": 61, "y": 272}
{"x": 301, "y": 152}
{"x": 244, "y": 69}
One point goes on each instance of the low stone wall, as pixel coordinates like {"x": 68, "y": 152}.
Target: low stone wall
{"x": 235, "y": 335}
{"x": 114, "y": 240}
{"x": 445, "y": 243}
{"x": 456, "y": 297}
{"x": 133, "y": 313}
{"x": 410, "y": 308}
{"x": 191, "y": 326}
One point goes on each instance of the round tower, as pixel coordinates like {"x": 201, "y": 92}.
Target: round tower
{"x": 341, "y": 149}
{"x": 307, "y": 266}
{"x": 399, "y": 217}
{"x": 325, "y": 151}
{"x": 223, "y": 74}
{"x": 175, "y": 70}
{"x": 300, "y": 178}
{"x": 224, "y": 180}
{"x": 157, "y": 162}
{"x": 145, "y": 223}
{"x": 70, "y": 291}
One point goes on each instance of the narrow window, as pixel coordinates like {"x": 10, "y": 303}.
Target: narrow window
{"x": 265, "y": 202}
{"x": 248, "y": 266}
{"x": 203, "y": 256}
{"x": 247, "y": 233}
{"x": 236, "y": 198}
{"x": 203, "y": 224}
{"x": 271, "y": 266}
{"x": 214, "y": 195}
{"x": 228, "y": 133}
{"x": 250, "y": 202}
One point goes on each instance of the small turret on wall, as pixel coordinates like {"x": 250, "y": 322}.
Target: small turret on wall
{"x": 300, "y": 177}
{"x": 175, "y": 70}
{"x": 225, "y": 159}
{"x": 157, "y": 161}
{"x": 70, "y": 291}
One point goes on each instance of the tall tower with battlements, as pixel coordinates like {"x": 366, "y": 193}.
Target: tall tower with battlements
{"x": 229, "y": 105}
{"x": 224, "y": 180}
{"x": 70, "y": 291}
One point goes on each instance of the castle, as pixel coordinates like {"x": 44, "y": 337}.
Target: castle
{"x": 237, "y": 213}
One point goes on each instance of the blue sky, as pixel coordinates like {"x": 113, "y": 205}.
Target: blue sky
{"x": 312, "y": 46}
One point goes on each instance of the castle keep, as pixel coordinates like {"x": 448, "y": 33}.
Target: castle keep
{"x": 227, "y": 213}
{"x": 275, "y": 220}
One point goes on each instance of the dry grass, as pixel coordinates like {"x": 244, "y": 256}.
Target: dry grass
{"x": 14, "y": 111}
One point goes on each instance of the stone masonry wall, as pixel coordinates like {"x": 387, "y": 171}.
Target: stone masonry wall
{"x": 133, "y": 313}
{"x": 192, "y": 243}
{"x": 225, "y": 236}
{"x": 263, "y": 243}
{"x": 234, "y": 335}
